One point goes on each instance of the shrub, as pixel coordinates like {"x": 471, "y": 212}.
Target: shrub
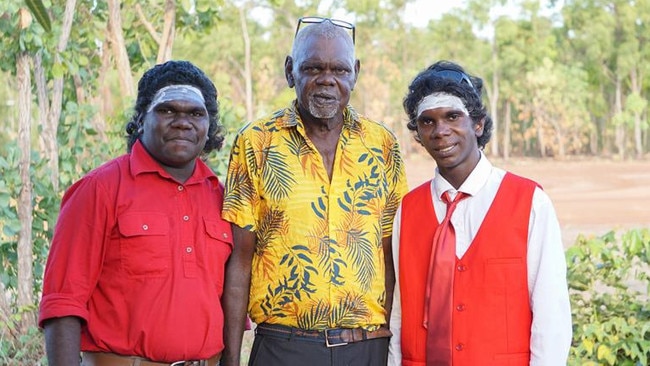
{"x": 608, "y": 283}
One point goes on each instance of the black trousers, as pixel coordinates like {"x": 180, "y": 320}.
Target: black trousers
{"x": 273, "y": 351}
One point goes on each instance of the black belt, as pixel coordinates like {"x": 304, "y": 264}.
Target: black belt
{"x": 330, "y": 337}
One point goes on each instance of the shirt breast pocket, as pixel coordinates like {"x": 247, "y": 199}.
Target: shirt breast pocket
{"x": 145, "y": 244}
{"x": 218, "y": 247}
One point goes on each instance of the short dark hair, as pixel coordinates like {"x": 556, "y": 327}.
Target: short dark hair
{"x": 430, "y": 81}
{"x": 175, "y": 73}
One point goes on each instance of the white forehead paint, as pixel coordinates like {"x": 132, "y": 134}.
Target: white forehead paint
{"x": 172, "y": 92}
{"x": 441, "y": 100}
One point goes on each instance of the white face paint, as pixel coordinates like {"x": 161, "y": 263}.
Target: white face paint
{"x": 173, "y": 92}
{"x": 441, "y": 100}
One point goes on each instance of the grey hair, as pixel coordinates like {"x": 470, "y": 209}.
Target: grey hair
{"x": 325, "y": 30}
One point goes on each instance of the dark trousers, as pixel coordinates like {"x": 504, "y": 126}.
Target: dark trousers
{"x": 273, "y": 351}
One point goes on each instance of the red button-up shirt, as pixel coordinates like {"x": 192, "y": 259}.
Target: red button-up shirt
{"x": 140, "y": 259}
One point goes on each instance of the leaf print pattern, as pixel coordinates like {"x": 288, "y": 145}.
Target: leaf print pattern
{"x": 318, "y": 259}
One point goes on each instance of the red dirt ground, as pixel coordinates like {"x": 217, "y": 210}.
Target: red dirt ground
{"x": 591, "y": 196}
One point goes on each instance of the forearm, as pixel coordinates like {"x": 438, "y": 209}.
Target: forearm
{"x": 235, "y": 303}
{"x": 235, "y": 296}
{"x": 62, "y": 340}
{"x": 389, "y": 281}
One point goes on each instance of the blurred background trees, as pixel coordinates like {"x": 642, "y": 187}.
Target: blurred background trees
{"x": 562, "y": 79}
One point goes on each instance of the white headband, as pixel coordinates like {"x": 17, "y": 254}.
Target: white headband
{"x": 172, "y": 92}
{"x": 441, "y": 100}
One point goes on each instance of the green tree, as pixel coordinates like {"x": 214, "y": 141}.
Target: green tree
{"x": 609, "y": 39}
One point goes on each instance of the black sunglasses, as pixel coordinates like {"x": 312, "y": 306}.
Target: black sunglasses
{"x": 454, "y": 75}
{"x": 318, "y": 20}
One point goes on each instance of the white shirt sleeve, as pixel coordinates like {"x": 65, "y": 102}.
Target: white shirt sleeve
{"x": 395, "y": 345}
{"x": 551, "y": 330}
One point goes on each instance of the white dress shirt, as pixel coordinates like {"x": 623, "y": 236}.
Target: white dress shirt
{"x": 551, "y": 330}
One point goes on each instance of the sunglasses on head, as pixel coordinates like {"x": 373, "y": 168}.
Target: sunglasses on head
{"x": 454, "y": 75}
{"x": 318, "y": 20}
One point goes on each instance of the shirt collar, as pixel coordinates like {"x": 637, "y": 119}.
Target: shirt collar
{"x": 472, "y": 185}
{"x": 289, "y": 117}
{"x": 142, "y": 162}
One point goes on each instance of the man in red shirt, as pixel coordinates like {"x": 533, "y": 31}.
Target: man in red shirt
{"x": 135, "y": 271}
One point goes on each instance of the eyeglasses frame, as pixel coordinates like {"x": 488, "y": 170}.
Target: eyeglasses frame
{"x": 319, "y": 20}
{"x": 455, "y": 75}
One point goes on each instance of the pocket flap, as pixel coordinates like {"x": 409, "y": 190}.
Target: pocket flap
{"x": 143, "y": 223}
{"x": 218, "y": 229}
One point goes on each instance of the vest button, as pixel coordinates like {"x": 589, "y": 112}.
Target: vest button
{"x": 460, "y": 347}
{"x": 461, "y": 268}
{"x": 460, "y": 307}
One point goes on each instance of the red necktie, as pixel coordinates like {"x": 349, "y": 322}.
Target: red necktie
{"x": 439, "y": 294}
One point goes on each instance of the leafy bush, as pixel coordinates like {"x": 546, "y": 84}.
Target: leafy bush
{"x": 24, "y": 349}
{"x": 609, "y": 286}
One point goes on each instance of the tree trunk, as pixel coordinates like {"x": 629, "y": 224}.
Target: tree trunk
{"x": 561, "y": 150}
{"x": 103, "y": 98}
{"x": 41, "y": 94}
{"x": 538, "y": 124}
{"x": 559, "y": 135}
{"x": 494, "y": 100}
{"x": 506, "y": 131}
{"x": 620, "y": 128}
{"x": 593, "y": 140}
{"x": 25, "y": 296}
{"x": 635, "y": 82}
{"x": 167, "y": 40}
{"x": 541, "y": 142}
{"x": 53, "y": 107}
{"x": 638, "y": 143}
{"x": 6, "y": 315}
{"x": 118, "y": 47}
{"x": 248, "y": 78}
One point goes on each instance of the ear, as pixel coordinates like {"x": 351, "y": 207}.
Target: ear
{"x": 357, "y": 67}
{"x": 478, "y": 128}
{"x": 288, "y": 71}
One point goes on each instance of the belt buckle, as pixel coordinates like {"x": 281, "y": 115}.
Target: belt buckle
{"x": 187, "y": 363}
{"x": 327, "y": 341}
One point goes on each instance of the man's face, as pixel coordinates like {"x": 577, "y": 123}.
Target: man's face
{"x": 176, "y": 129}
{"x": 323, "y": 73}
{"x": 449, "y": 136}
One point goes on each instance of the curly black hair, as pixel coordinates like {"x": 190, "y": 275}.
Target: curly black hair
{"x": 174, "y": 73}
{"x": 430, "y": 81}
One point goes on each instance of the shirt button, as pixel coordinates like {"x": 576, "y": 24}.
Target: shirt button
{"x": 460, "y": 307}
{"x": 186, "y": 218}
{"x": 459, "y": 347}
{"x": 145, "y": 227}
{"x": 188, "y": 249}
{"x": 180, "y": 188}
{"x": 225, "y": 235}
{"x": 461, "y": 268}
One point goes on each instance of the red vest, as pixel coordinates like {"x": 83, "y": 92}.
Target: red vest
{"x": 492, "y": 317}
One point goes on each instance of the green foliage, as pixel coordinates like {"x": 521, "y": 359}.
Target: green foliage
{"x": 40, "y": 13}
{"x": 231, "y": 121}
{"x": 45, "y": 206}
{"x": 28, "y": 349}
{"x": 609, "y": 284}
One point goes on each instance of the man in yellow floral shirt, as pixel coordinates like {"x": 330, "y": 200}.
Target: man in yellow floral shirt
{"x": 312, "y": 191}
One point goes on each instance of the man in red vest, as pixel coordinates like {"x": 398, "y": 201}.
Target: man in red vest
{"x": 481, "y": 268}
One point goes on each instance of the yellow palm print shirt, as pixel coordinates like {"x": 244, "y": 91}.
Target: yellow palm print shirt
{"x": 318, "y": 259}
